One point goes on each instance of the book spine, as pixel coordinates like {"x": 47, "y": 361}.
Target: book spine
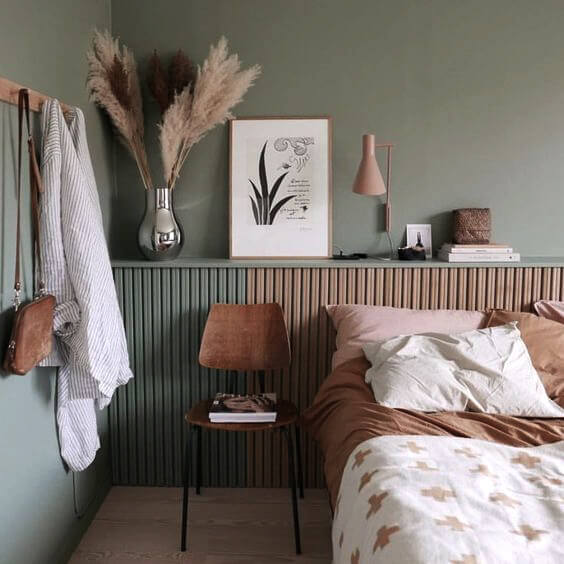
{"x": 476, "y": 245}
{"x": 480, "y": 257}
{"x": 481, "y": 250}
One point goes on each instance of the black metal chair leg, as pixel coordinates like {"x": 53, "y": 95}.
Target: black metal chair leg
{"x": 186, "y": 480}
{"x": 199, "y": 459}
{"x": 300, "y": 469}
{"x": 292, "y": 476}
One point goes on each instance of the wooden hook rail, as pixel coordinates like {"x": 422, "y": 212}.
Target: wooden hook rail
{"x": 9, "y": 93}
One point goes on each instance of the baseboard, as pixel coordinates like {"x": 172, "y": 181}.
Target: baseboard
{"x": 74, "y": 536}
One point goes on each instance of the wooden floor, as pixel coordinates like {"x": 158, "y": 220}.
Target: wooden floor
{"x": 239, "y": 526}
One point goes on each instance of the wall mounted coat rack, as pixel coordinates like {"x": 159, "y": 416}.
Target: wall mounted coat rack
{"x": 9, "y": 93}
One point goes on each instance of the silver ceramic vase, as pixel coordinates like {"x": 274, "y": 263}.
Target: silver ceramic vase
{"x": 160, "y": 236}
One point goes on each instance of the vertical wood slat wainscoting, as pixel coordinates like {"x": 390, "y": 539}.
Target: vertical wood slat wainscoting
{"x": 303, "y": 293}
{"x": 165, "y": 310}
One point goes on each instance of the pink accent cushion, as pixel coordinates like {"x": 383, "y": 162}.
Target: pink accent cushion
{"x": 550, "y": 310}
{"x": 357, "y": 325}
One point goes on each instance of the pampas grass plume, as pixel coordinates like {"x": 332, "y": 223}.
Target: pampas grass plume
{"x": 219, "y": 86}
{"x": 113, "y": 84}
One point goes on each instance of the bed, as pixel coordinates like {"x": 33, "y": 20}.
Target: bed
{"x": 461, "y": 487}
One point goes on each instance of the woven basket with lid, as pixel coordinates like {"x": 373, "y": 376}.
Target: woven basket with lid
{"x": 472, "y": 226}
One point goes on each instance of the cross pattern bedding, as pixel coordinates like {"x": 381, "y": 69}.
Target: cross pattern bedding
{"x": 463, "y": 487}
{"x": 422, "y": 499}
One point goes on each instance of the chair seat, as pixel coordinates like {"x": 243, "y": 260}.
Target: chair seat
{"x": 287, "y": 413}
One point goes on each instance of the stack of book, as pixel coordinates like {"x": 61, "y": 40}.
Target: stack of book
{"x": 254, "y": 408}
{"x": 490, "y": 252}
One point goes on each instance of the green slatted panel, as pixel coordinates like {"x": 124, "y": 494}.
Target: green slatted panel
{"x": 164, "y": 313}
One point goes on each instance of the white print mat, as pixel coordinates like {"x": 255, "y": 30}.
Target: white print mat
{"x": 426, "y": 499}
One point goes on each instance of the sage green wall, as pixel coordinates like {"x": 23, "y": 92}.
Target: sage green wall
{"x": 471, "y": 91}
{"x": 42, "y": 45}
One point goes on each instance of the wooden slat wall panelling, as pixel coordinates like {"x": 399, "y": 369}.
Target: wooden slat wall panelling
{"x": 129, "y": 410}
{"x": 508, "y": 289}
{"x": 527, "y": 288}
{"x": 139, "y": 441}
{"x": 142, "y": 381}
{"x": 517, "y": 289}
{"x": 553, "y": 291}
{"x": 299, "y": 291}
{"x": 314, "y": 366}
{"x": 115, "y": 443}
{"x": 307, "y": 290}
{"x": 471, "y": 279}
{"x": 165, "y": 310}
{"x": 537, "y": 289}
{"x": 177, "y": 388}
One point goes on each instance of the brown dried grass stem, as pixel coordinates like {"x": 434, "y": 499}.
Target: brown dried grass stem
{"x": 113, "y": 85}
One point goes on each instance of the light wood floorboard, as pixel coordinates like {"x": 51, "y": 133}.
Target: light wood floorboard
{"x": 226, "y": 526}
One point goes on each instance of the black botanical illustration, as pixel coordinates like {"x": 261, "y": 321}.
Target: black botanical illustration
{"x": 299, "y": 148}
{"x": 263, "y": 205}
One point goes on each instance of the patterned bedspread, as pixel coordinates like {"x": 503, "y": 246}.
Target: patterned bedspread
{"x": 411, "y": 499}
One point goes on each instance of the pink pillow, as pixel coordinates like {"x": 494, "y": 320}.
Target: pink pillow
{"x": 357, "y": 325}
{"x": 550, "y": 310}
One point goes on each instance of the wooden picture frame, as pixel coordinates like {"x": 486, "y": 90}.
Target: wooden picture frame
{"x": 280, "y": 187}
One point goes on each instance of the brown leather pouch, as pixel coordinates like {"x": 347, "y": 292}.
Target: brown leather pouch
{"x": 30, "y": 341}
{"x": 31, "y": 337}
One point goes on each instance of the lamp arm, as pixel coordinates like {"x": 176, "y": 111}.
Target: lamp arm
{"x": 389, "y": 202}
{"x": 389, "y": 191}
{"x": 391, "y": 243}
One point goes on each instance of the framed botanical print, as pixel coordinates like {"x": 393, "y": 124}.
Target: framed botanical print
{"x": 280, "y": 187}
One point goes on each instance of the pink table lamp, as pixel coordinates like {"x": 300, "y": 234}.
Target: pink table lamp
{"x": 369, "y": 181}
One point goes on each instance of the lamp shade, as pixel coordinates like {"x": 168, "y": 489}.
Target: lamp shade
{"x": 369, "y": 181}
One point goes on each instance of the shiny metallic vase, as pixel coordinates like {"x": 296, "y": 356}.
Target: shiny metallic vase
{"x": 160, "y": 236}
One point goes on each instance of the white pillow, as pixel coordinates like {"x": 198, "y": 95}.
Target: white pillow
{"x": 487, "y": 370}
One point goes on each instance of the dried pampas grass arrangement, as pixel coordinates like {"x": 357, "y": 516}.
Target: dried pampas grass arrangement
{"x": 192, "y": 100}
{"x": 113, "y": 84}
{"x": 199, "y": 102}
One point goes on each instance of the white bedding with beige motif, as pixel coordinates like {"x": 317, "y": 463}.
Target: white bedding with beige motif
{"x": 427, "y": 499}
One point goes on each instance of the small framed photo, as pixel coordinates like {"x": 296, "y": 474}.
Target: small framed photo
{"x": 420, "y": 233}
{"x": 280, "y": 187}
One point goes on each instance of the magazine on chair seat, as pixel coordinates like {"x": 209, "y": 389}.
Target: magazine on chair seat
{"x": 251, "y": 408}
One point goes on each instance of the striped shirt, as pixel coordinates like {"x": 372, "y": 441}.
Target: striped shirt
{"x": 89, "y": 338}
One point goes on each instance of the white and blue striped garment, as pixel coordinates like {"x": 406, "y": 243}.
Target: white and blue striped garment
{"x": 90, "y": 346}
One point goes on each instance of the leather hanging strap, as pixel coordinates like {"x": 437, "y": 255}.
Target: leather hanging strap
{"x": 36, "y": 188}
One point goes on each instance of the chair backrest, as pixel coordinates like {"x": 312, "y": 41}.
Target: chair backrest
{"x": 245, "y": 337}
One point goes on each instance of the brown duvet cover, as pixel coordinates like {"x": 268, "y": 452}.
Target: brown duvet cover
{"x": 344, "y": 414}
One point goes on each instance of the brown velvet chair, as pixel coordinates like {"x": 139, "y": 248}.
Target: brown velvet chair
{"x": 245, "y": 338}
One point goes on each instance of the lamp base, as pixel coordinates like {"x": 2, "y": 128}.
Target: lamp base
{"x": 352, "y": 256}
{"x": 391, "y": 244}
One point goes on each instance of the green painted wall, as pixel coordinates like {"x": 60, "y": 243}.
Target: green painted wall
{"x": 42, "y": 45}
{"x": 472, "y": 93}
